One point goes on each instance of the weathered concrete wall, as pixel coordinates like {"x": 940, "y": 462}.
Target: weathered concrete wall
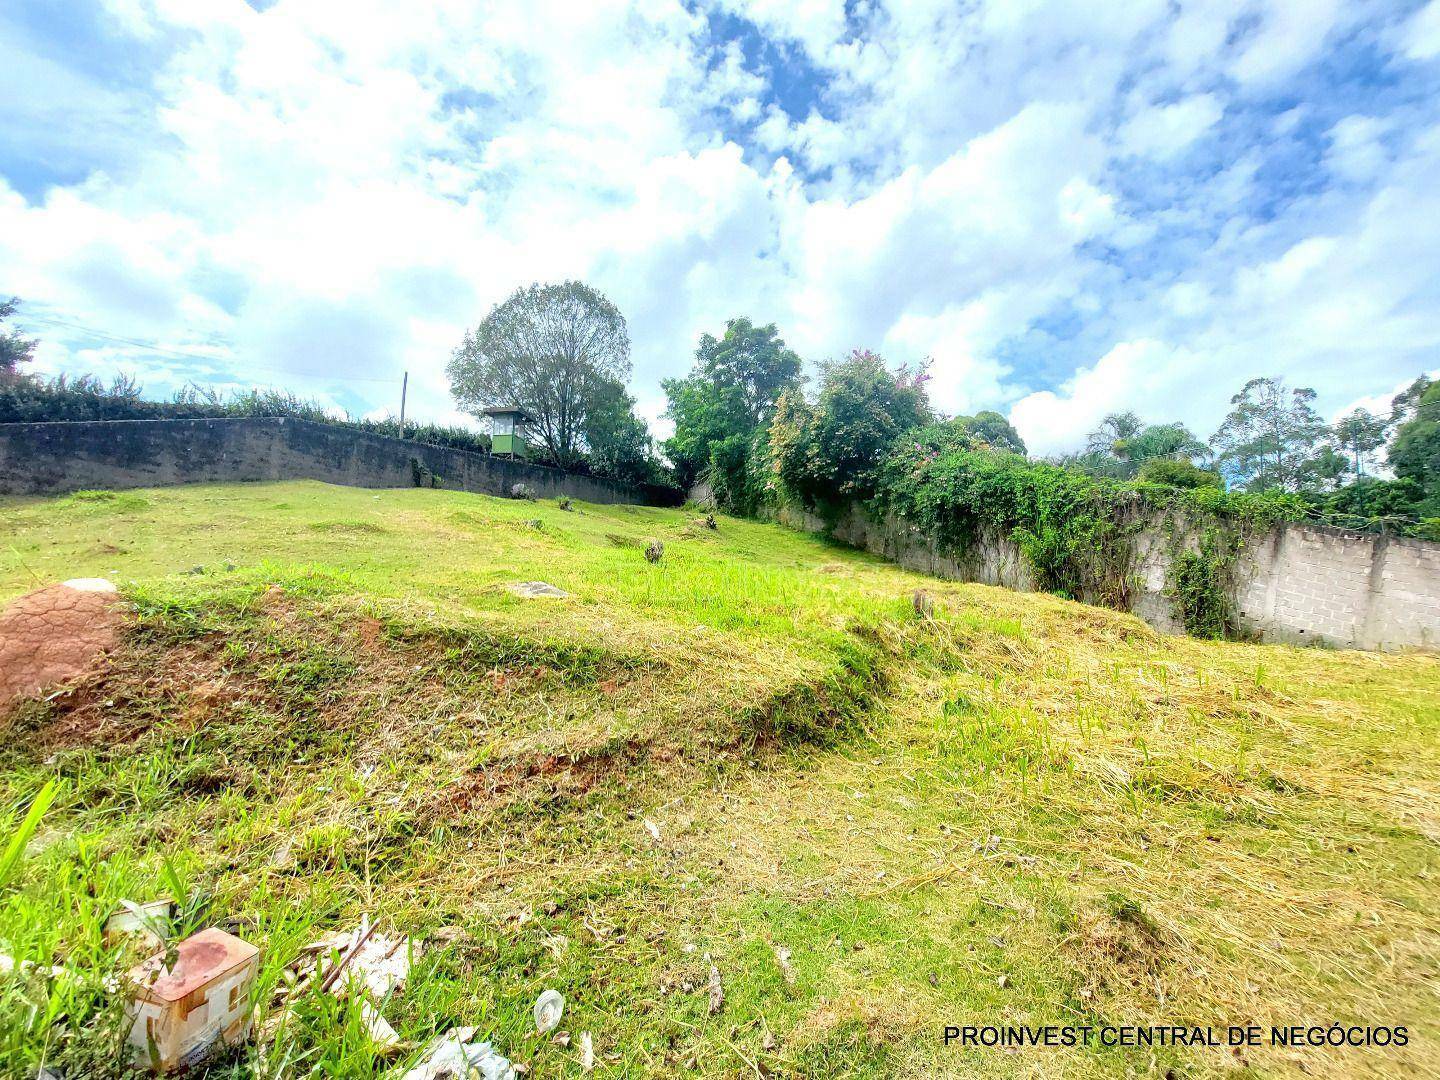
{"x": 49, "y": 458}
{"x": 1297, "y": 584}
{"x": 1306, "y": 583}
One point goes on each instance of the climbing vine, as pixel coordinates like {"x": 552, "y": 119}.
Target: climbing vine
{"x": 1077, "y": 532}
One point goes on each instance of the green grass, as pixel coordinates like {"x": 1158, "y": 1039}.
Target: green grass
{"x": 1022, "y": 811}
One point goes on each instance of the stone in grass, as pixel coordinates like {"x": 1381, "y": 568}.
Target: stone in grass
{"x": 654, "y": 551}
{"x": 532, "y": 590}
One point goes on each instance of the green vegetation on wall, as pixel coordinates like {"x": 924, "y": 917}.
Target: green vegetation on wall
{"x": 1077, "y": 532}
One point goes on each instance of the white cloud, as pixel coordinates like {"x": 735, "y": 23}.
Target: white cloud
{"x": 1289, "y": 35}
{"x": 1422, "y": 33}
{"x": 1163, "y": 131}
{"x": 1357, "y": 150}
{"x": 322, "y": 195}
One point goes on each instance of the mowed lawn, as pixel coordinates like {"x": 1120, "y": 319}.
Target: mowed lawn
{"x": 752, "y": 755}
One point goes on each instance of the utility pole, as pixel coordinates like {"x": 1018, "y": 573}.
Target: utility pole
{"x": 404, "y": 386}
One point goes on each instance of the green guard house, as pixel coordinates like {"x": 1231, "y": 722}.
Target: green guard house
{"x": 507, "y": 431}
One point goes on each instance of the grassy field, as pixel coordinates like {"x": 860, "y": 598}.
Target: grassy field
{"x": 1018, "y": 811}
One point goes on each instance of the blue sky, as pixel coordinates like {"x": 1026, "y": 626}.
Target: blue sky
{"x": 1069, "y": 208}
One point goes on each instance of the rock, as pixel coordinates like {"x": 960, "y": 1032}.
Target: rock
{"x": 532, "y": 590}
{"x": 654, "y": 551}
{"x": 522, "y": 491}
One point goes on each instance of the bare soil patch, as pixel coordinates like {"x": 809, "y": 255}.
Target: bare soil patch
{"x": 55, "y": 635}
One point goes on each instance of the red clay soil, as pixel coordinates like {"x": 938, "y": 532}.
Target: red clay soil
{"x": 53, "y": 635}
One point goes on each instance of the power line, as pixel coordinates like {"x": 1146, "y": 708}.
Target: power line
{"x": 152, "y": 347}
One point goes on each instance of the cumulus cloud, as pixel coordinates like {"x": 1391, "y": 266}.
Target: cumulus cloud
{"x": 1163, "y": 131}
{"x": 1068, "y": 213}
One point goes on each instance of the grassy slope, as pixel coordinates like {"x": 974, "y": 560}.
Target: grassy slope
{"x": 1023, "y": 811}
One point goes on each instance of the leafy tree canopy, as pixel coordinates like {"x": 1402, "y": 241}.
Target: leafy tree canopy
{"x": 1123, "y": 443}
{"x": 1415, "y": 453}
{"x": 993, "y": 430}
{"x": 1358, "y": 435}
{"x": 830, "y": 452}
{"x": 558, "y": 351}
{"x": 14, "y": 348}
{"x": 730, "y": 393}
{"x": 1271, "y": 437}
{"x": 1179, "y": 473}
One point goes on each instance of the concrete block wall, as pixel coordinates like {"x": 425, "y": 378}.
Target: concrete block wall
{"x": 1298, "y": 584}
{"x": 38, "y": 459}
{"x": 1308, "y": 583}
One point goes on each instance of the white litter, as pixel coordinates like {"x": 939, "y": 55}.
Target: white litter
{"x": 90, "y": 584}
{"x": 532, "y": 590}
{"x": 381, "y": 1033}
{"x": 149, "y": 922}
{"x": 370, "y": 963}
{"x": 454, "y": 1055}
{"x": 548, "y": 1009}
{"x": 587, "y": 1052}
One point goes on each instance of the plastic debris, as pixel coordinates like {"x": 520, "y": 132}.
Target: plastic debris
{"x": 548, "y": 1009}
{"x": 370, "y": 963}
{"x": 149, "y": 922}
{"x": 533, "y": 590}
{"x": 381, "y": 1033}
{"x": 782, "y": 961}
{"x": 453, "y": 1055}
{"x": 717, "y": 991}
{"x": 587, "y": 1052}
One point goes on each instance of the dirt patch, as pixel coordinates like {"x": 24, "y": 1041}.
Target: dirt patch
{"x": 546, "y": 777}
{"x": 55, "y": 635}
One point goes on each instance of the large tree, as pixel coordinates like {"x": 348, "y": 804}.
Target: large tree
{"x": 618, "y": 440}
{"x": 1358, "y": 435}
{"x": 992, "y": 429}
{"x": 1123, "y": 444}
{"x": 14, "y": 349}
{"x": 831, "y": 452}
{"x": 1415, "y": 452}
{"x": 729, "y": 394}
{"x": 556, "y": 350}
{"x": 1271, "y": 438}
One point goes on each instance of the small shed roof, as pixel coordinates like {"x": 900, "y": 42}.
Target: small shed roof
{"x": 508, "y": 410}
